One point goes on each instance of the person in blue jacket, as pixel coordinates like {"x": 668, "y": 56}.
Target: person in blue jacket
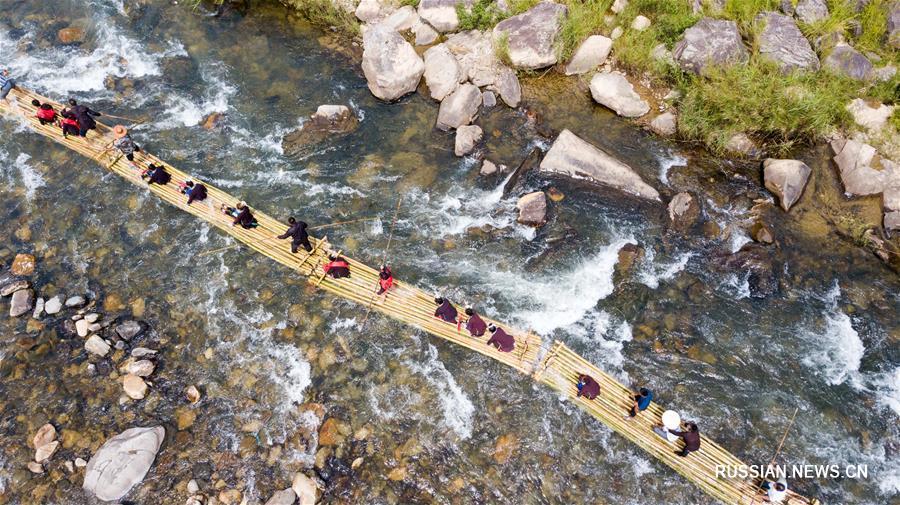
{"x": 641, "y": 400}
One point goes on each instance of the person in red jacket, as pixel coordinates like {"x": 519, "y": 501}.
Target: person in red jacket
{"x": 337, "y": 268}
{"x": 503, "y": 341}
{"x": 45, "y": 113}
{"x": 385, "y": 282}
{"x": 69, "y": 126}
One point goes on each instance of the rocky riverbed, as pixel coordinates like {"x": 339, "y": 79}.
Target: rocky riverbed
{"x": 733, "y": 301}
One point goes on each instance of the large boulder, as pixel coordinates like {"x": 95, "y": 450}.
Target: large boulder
{"x": 710, "y": 42}
{"x": 893, "y": 25}
{"x": 590, "y": 54}
{"x": 862, "y": 171}
{"x": 467, "y": 137}
{"x": 847, "y": 61}
{"x": 786, "y": 179}
{"x": 442, "y": 72}
{"x": 574, "y": 157}
{"x": 390, "y": 64}
{"x": 612, "y": 90}
{"x": 328, "y": 121}
{"x": 122, "y": 461}
{"x": 810, "y": 11}
{"x": 529, "y": 38}
{"x": 402, "y": 19}
{"x": 782, "y": 42}
{"x": 441, "y": 14}
{"x": 684, "y": 210}
{"x": 532, "y": 209}
{"x": 459, "y": 108}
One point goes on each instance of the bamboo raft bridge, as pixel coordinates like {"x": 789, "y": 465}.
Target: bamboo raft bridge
{"x": 559, "y": 367}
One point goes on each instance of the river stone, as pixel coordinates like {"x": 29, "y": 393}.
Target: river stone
{"x": 142, "y": 352}
{"x": 38, "y": 308}
{"x": 474, "y": 50}
{"x": 782, "y": 42}
{"x": 710, "y": 42}
{"x": 46, "y": 451}
{"x": 425, "y": 34}
{"x": 127, "y": 330}
{"x": 893, "y": 25}
{"x": 35, "y": 467}
{"x": 684, "y": 210}
{"x": 45, "y": 434}
{"x": 81, "y": 327}
{"x": 466, "y": 138}
{"x": 590, "y": 54}
{"x": 96, "y": 345}
{"x": 869, "y": 116}
{"x": 14, "y": 286}
{"x": 76, "y": 302}
{"x": 488, "y": 168}
{"x": 532, "y": 209}
{"x": 21, "y": 303}
{"x": 612, "y": 89}
{"x": 531, "y": 37}
{"x": 640, "y": 23}
{"x": 459, "y": 108}
{"x": 847, "y": 61}
{"x": 488, "y": 99}
{"x": 810, "y": 11}
{"x": 742, "y": 144}
{"x": 860, "y": 167}
{"x": 786, "y": 179}
{"x": 54, "y": 305}
{"x": 283, "y": 497}
{"x": 141, "y": 368}
{"x": 441, "y": 14}
{"x": 761, "y": 233}
{"x": 368, "y": 11}
{"x": 442, "y": 72}
{"x": 664, "y": 124}
{"x": 401, "y": 19}
{"x": 574, "y": 157}
{"x": 508, "y": 87}
{"x": 23, "y": 264}
{"x": 134, "y": 387}
{"x": 390, "y": 64}
{"x": 305, "y": 489}
{"x": 122, "y": 461}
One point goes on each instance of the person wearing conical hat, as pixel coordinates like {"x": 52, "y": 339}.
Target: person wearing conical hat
{"x": 124, "y": 143}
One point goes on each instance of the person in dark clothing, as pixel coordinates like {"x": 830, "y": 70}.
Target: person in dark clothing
{"x": 385, "y": 282}
{"x": 641, "y": 401}
{"x": 445, "y": 311}
{"x": 156, "y": 174}
{"x": 474, "y": 323}
{"x": 691, "y": 437}
{"x": 196, "y": 192}
{"x": 587, "y": 387}
{"x": 83, "y": 114}
{"x": 337, "y": 268}
{"x": 297, "y": 232}
{"x": 45, "y": 113}
{"x": 69, "y": 126}
{"x": 503, "y": 341}
{"x": 242, "y": 216}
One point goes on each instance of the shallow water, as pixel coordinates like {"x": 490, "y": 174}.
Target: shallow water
{"x": 680, "y": 322}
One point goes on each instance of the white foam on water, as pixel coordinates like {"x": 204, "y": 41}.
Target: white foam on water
{"x": 838, "y": 351}
{"x": 888, "y": 387}
{"x": 738, "y": 286}
{"x": 458, "y": 410}
{"x": 30, "y": 178}
{"x": 666, "y": 161}
{"x": 182, "y": 110}
{"x": 737, "y": 238}
{"x": 607, "y": 336}
{"x": 652, "y": 273}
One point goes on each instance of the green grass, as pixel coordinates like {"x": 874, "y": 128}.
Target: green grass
{"x": 483, "y": 15}
{"x": 744, "y": 12}
{"x": 584, "y": 19}
{"x": 874, "y": 26}
{"x": 840, "y": 15}
{"x": 669, "y": 21}
{"x": 758, "y": 100}
{"x": 411, "y": 3}
{"x": 502, "y": 49}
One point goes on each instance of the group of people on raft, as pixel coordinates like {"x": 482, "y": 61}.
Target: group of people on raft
{"x": 79, "y": 119}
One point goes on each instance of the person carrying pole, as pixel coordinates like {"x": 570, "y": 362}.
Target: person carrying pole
{"x": 124, "y": 143}
{"x": 297, "y": 232}
{"x": 385, "y": 282}
{"x": 83, "y": 114}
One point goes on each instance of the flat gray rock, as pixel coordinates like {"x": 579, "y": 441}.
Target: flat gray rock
{"x": 122, "y": 462}
{"x": 612, "y": 90}
{"x": 532, "y": 209}
{"x": 590, "y": 54}
{"x": 531, "y": 37}
{"x": 715, "y": 42}
{"x": 782, "y": 42}
{"x": 860, "y": 167}
{"x": 573, "y": 157}
{"x": 847, "y": 61}
{"x": 786, "y": 179}
{"x": 467, "y": 137}
{"x": 21, "y": 303}
{"x": 459, "y": 108}
{"x": 508, "y": 87}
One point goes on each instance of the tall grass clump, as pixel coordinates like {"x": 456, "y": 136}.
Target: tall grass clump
{"x": 670, "y": 20}
{"x": 744, "y": 12}
{"x": 584, "y": 19}
{"x": 326, "y": 14}
{"x": 840, "y": 14}
{"x": 483, "y": 15}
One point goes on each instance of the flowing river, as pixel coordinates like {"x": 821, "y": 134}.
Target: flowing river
{"x": 261, "y": 344}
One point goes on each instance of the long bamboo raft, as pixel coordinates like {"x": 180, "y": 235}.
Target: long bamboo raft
{"x": 558, "y": 367}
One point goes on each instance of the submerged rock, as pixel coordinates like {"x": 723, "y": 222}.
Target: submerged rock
{"x": 122, "y": 461}
{"x": 571, "y": 156}
{"x": 532, "y": 209}
{"x": 128, "y": 330}
{"x": 714, "y": 42}
{"x": 466, "y": 138}
{"x": 508, "y": 87}
{"x": 21, "y": 303}
{"x": 529, "y": 39}
{"x": 23, "y": 264}
{"x": 786, "y": 179}
{"x": 862, "y": 170}
{"x": 459, "y": 108}
{"x": 327, "y": 122}
{"x": 590, "y": 54}
{"x": 96, "y": 345}
{"x": 684, "y": 210}
{"x": 14, "y": 286}
{"x": 71, "y": 35}
{"x": 612, "y": 90}
{"x": 784, "y": 43}
{"x": 391, "y": 65}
